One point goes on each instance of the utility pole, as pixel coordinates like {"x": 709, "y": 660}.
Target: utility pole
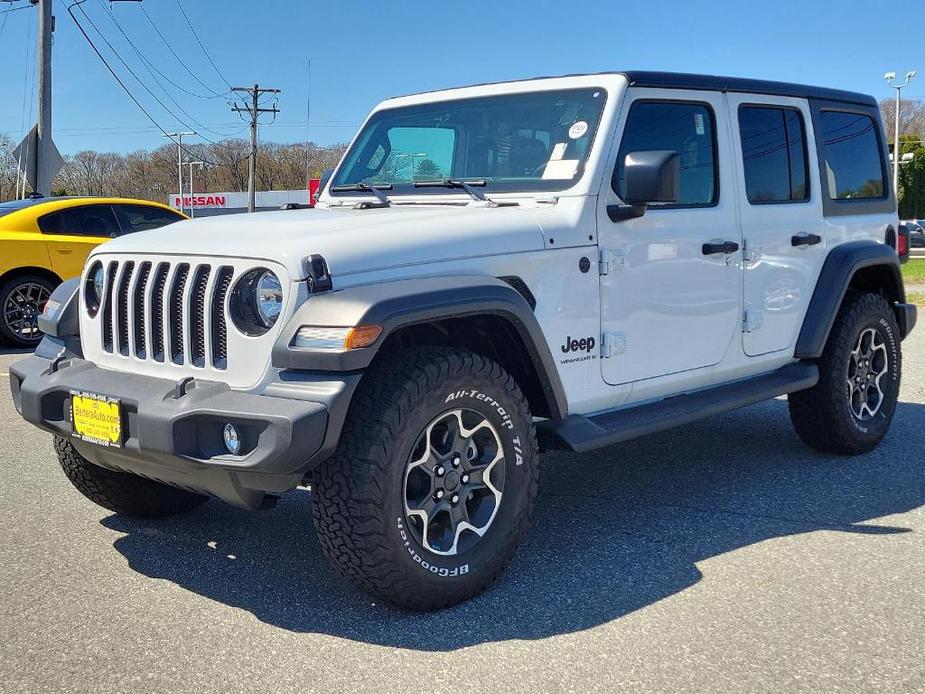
{"x": 44, "y": 146}
{"x": 178, "y": 138}
{"x": 254, "y": 110}
{"x": 890, "y": 77}
{"x": 192, "y": 204}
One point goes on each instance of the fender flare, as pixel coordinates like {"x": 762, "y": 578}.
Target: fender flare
{"x": 841, "y": 265}
{"x": 402, "y": 303}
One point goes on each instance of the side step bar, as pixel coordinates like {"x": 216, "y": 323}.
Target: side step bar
{"x": 579, "y": 433}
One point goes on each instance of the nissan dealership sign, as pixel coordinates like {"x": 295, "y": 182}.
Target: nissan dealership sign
{"x": 226, "y": 203}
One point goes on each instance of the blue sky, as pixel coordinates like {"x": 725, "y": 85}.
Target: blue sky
{"x": 365, "y": 51}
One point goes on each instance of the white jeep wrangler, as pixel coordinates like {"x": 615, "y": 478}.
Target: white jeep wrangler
{"x": 560, "y": 263}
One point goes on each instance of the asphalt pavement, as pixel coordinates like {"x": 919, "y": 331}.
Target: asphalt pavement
{"x": 723, "y": 556}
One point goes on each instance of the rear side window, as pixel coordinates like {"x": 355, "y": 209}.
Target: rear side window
{"x": 851, "y": 152}
{"x": 773, "y": 154}
{"x": 85, "y": 220}
{"x": 144, "y": 217}
{"x": 683, "y": 127}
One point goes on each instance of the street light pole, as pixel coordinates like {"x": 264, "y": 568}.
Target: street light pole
{"x": 890, "y": 78}
{"x": 192, "y": 203}
{"x": 178, "y": 138}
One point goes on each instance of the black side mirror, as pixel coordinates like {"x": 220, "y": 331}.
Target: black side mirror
{"x": 323, "y": 181}
{"x": 650, "y": 176}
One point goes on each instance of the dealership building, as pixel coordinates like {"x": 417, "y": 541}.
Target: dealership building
{"x": 211, "y": 204}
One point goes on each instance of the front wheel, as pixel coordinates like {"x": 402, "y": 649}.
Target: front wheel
{"x": 22, "y": 301}
{"x": 433, "y": 484}
{"x": 850, "y": 409}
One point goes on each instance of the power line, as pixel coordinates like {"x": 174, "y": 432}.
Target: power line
{"x": 115, "y": 75}
{"x": 150, "y": 64}
{"x": 141, "y": 82}
{"x": 175, "y": 55}
{"x": 204, "y": 51}
{"x": 254, "y": 110}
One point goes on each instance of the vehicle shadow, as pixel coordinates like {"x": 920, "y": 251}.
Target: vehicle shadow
{"x": 6, "y": 349}
{"x": 614, "y": 531}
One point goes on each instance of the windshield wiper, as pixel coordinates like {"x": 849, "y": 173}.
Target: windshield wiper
{"x": 456, "y": 183}
{"x": 366, "y": 188}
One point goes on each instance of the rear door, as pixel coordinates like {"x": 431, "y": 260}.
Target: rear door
{"x": 671, "y": 283}
{"x": 73, "y": 232}
{"x": 781, "y": 216}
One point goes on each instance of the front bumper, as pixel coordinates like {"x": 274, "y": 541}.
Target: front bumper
{"x": 173, "y": 434}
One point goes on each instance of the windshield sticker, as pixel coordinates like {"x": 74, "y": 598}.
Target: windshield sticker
{"x": 558, "y": 152}
{"x": 562, "y": 170}
{"x": 578, "y": 129}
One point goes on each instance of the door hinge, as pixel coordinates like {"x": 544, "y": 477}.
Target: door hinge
{"x": 752, "y": 320}
{"x": 611, "y": 260}
{"x": 612, "y": 344}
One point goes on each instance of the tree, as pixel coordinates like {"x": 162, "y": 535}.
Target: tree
{"x": 152, "y": 175}
{"x": 428, "y": 170}
{"x": 911, "y": 117}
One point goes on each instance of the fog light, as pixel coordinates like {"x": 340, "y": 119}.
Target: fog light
{"x": 232, "y": 440}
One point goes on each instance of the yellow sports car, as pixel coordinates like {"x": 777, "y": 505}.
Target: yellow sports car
{"x": 44, "y": 241}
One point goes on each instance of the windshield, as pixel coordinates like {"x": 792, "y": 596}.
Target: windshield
{"x": 533, "y": 141}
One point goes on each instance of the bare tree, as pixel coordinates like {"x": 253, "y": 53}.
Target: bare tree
{"x": 911, "y": 117}
{"x": 152, "y": 175}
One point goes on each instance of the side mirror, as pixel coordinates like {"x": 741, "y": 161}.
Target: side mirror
{"x": 650, "y": 176}
{"x": 323, "y": 180}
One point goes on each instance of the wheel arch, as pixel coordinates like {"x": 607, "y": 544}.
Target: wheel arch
{"x": 483, "y": 314}
{"x": 27, "y": 270}
{"x": 863, "y": 265}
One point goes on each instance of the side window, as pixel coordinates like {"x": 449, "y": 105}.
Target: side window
{"x": 84, "y": 220}
{"x": 852, "y": 155}
{"x": 683, "y": 127}
{"x": 144, "y": 217}
{"x": 52, "y": 223}
{"x": 773, "y": 154}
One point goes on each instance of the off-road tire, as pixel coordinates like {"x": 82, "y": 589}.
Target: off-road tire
{"x": 822, "y": 415}
{"x": 359, "y": 493}
{"x": 122, "y": 492}
{"x": 6, "y": 289}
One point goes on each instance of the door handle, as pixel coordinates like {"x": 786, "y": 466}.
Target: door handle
{"x": 805, "y": 240}
{"x": 64, "y": 249}
{"x": 721, "y": 247}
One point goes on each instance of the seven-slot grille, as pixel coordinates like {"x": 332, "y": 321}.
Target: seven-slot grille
{"x": 163, "y": 311}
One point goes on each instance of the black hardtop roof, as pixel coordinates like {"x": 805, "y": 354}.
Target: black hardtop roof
{"x": 716, "y": 83}
{"x": 681, "y": 80}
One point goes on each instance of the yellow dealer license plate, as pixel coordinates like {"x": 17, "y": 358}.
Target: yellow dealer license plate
{"x": 96, "y": 418}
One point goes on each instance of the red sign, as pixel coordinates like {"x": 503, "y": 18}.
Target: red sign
{"x": 200, "y": 201}
{"x": 313, "y": 184}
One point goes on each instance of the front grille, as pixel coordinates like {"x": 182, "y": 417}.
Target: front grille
{"x": 160, "y": 311}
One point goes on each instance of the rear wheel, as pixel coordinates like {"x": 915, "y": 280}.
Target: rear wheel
{"x": 22, "y": 301}
{"x": 850, "y": 409}
{"x": 433, "y": 484}
{"x": 122, "y": 492}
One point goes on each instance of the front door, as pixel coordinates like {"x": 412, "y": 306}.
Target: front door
{"x": 781, "y": 215}
{"x": 73, "y": 232}
{"x": 671, "y": 281}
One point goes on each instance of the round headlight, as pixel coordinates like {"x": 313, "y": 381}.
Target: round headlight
{"x": 269, "y": 299}
{"x": 93, "y": 289}
{"x": 256, "y": 302}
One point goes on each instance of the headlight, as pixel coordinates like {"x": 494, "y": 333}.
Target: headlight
{"x": 93, "y": 289}
{"x": 256, "y": 302}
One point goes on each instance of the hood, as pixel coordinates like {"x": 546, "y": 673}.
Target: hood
{"x": 351, "y": 241}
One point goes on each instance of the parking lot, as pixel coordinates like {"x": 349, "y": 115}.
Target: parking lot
{"x": 723, "y": 556}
